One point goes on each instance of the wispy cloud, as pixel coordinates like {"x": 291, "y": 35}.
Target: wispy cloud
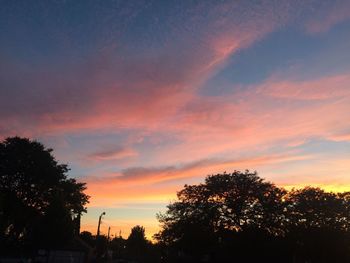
{"x": 104, "y": 91}
{"x": 113, "y": 153}
{"x": 136, "y": 77}
{"x": 153, "y": 175}
{"x": 340, "y": 137}
{"x": 330, "y": 87}
{"x": 127, "y": 185}
{"x": 327, "y": 15}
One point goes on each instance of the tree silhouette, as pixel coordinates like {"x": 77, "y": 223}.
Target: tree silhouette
{"x": 241, "y": 216}
{"x": 138, "y": 247}
{"x": 233, "y": 202}
{"x": 314, "y": 208}
{"x": 118, "y": 246}
{"x": 87, "y": 237}
{"x": 137, "y": 241}
{"x": 38, "y": 201}
{"x": 318, "y": 224}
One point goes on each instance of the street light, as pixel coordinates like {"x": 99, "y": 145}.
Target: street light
{"x": 99, "y": 223}
{"x": 109, "y": 230}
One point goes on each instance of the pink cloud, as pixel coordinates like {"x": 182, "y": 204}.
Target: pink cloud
{"x": 280, "y": 111}
{"x": 107, "y": 91}
{"x": 277, "y": 112}
{"x": 319, "y": 89}
{"x": 156, "y": 92}
{"x": 144, "y": 185}
{"x": 328, "y": 15}
{"x": 343, "y": 137}
{"x": 149, "y": 177}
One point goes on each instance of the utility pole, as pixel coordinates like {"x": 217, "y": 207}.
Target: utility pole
{"x": 99, "y": 223}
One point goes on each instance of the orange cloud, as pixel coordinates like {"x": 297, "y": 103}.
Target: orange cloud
{"x": 145, "y": 188}
{"x": 328, "y": 173}
{"x": 148, "y": 184}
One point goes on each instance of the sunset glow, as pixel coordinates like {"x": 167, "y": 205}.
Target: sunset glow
{"x": 142, "y": 97}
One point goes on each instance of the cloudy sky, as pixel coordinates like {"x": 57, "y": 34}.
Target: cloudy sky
{"x": 142, "y": 97}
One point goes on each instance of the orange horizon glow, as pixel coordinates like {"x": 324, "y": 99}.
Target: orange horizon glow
{"x": 140, "y": 99}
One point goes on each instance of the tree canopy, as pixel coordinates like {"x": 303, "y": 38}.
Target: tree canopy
{"x": 240, "y": 212}
{"x": 136, "y": 243}
{"x": 38, "y": 202}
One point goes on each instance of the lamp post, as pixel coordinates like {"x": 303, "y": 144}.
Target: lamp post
{"x": 109, "y": 230}
{"x": 99, "y": 223}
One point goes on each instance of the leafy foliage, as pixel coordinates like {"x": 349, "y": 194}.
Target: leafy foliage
{"x": 231, "y": 213}
{"x": 38, "y": 202}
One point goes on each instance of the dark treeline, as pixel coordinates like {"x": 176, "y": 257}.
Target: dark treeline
{"x": 231, "y": 217}
{"x": 239, "y": 217}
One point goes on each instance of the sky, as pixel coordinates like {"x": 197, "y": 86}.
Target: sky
{"x": 142, "y": 97}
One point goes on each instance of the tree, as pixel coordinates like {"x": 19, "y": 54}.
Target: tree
{"x": 234, "y": 202}
{"x": 314, "y": 208}
{"x": 318, "y": 224}
{"x": 137, "y": 239}
{"x": 87, "y": 237}
{"x": 208, "y": 215}
{"x": 241, "y": 216}
{"x": 118, "y": 245}
{"x": 37, "y": 200}
{"x": 137, "y": 244}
